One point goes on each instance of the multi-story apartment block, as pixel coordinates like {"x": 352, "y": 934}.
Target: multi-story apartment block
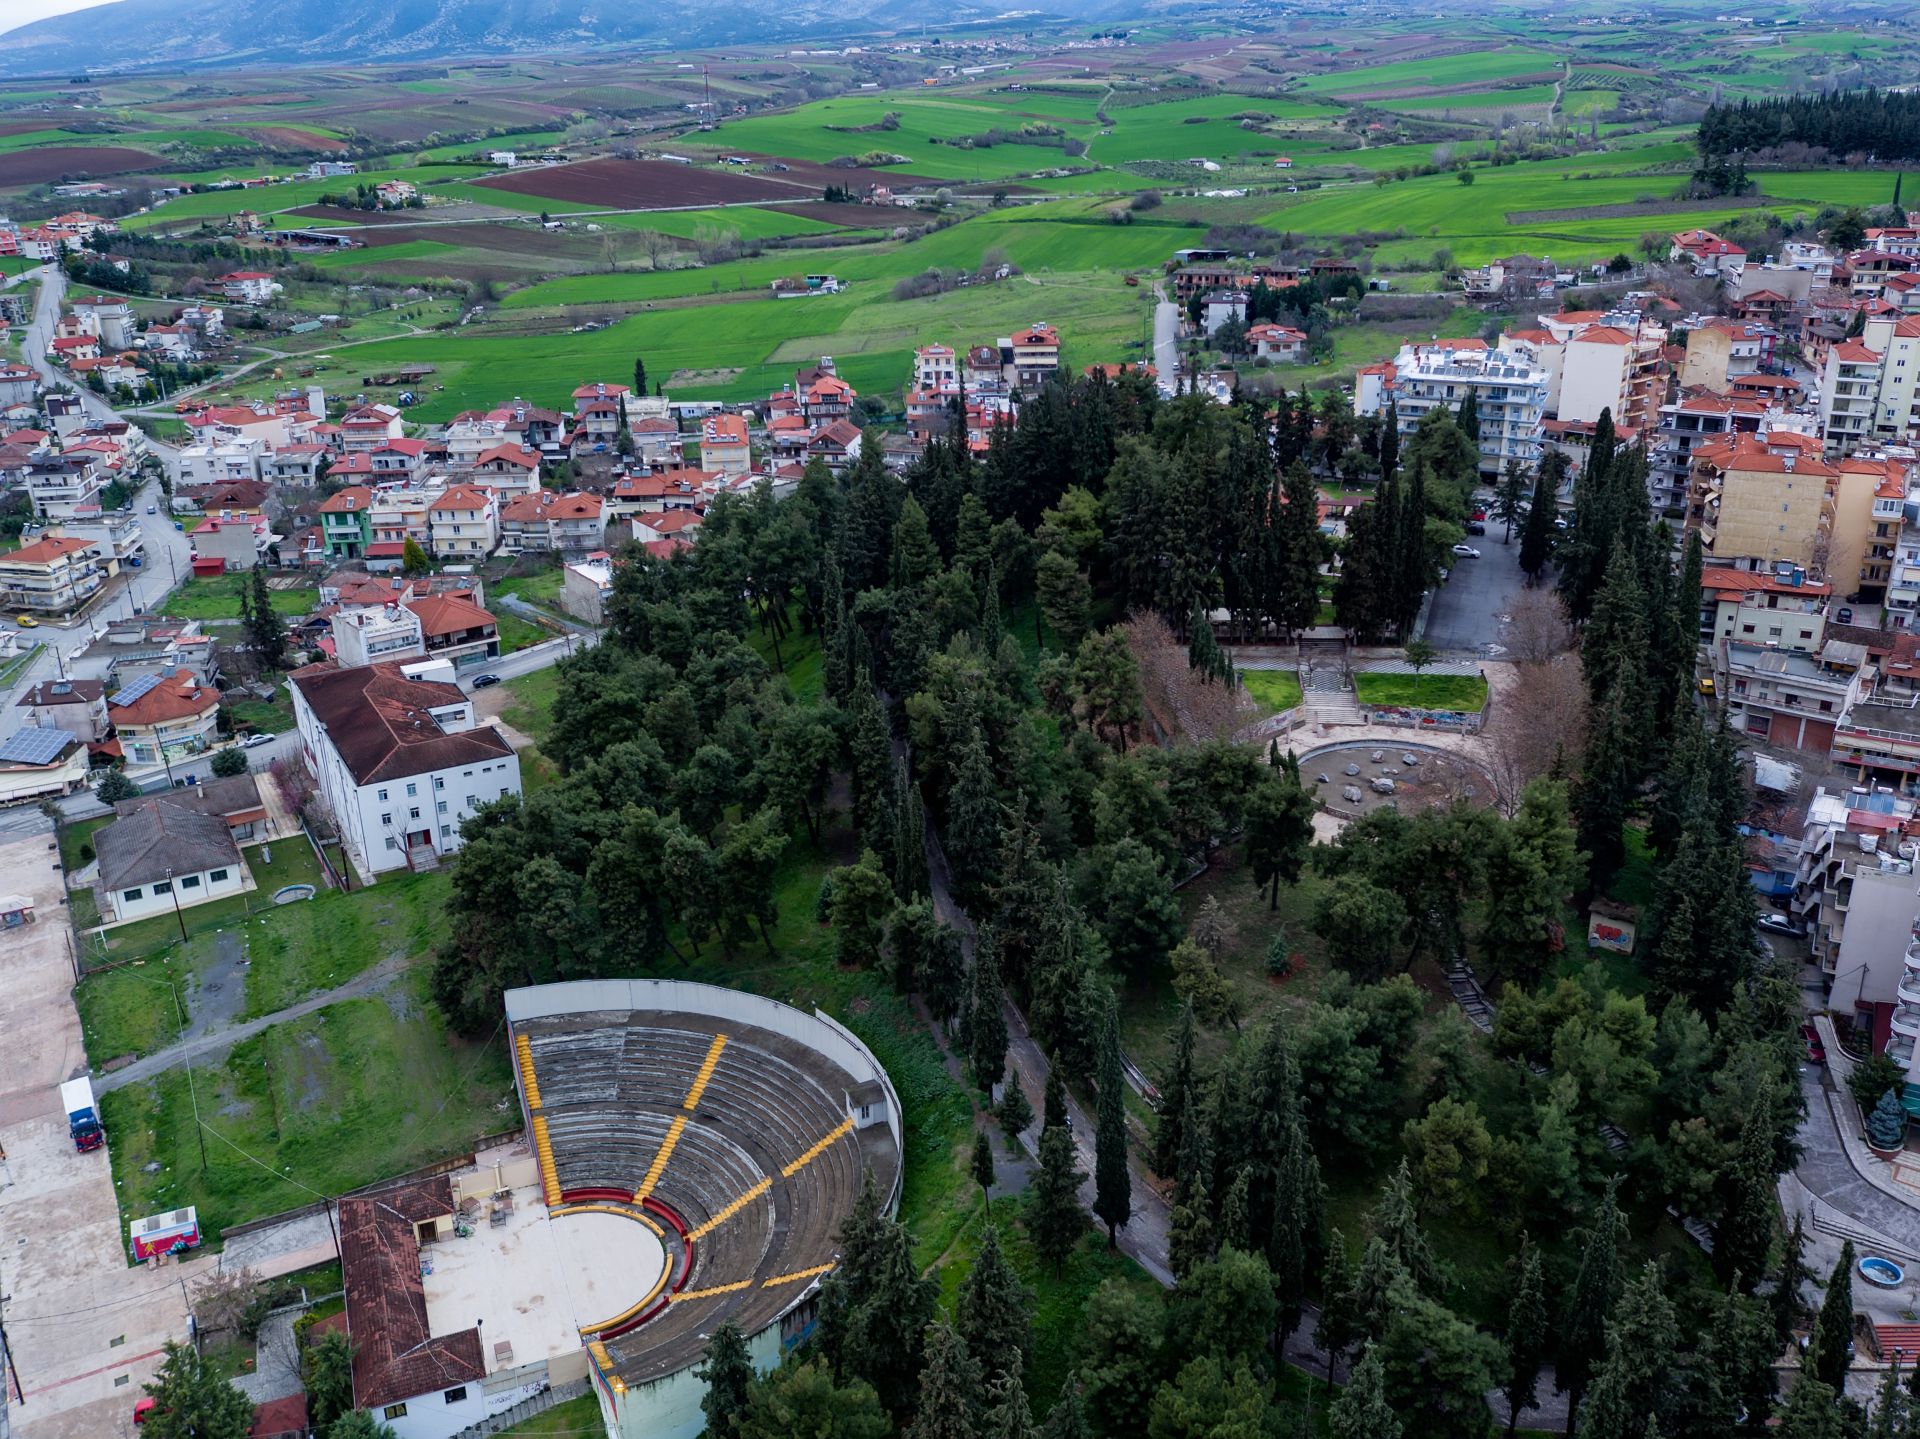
{"x": 1786, "y": 697}
{"x": 1784, "y": 609}
{"x": 1509, "y": 392}
{"x": 1850, "y": 405}
{"x": 463, "y": 523}
{"x": 1696, "y": 416}
{"x": 1757, "y": 501}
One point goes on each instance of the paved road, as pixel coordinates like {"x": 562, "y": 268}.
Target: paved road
{"x": 1166, "y": 339}
{"x": 1467, "y": 608}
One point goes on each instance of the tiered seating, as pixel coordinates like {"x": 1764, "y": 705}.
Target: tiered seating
{"x": 736, "y": 1138}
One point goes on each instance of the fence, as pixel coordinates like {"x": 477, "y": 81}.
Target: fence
{"x": 534, "y": 1404}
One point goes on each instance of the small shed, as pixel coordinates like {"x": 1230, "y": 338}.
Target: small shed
{"x": 15, "y": 910}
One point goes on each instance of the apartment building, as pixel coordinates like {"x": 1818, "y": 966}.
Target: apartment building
{"x": 1786, "y": 697}
{"x": 346, "y": 522}
{"x": 1618, "y": 366}
{"x": 52, "y": 576}
{"x": 1862, "y": 519}
{"x": 1757, "y": 501}
{"x": 463, "y": 523}
{"x": 1783, "y": 608}
{"x": 1850, "y": 405}
{"x": 1698, "y": 415}
{"x": 1509, "y": 392}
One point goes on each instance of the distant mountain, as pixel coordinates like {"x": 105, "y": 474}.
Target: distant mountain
{"x": 131, "y": 34}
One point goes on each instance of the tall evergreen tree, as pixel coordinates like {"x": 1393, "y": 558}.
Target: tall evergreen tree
{"x": 1635, "y": 1393}
{"x": 986, "y": 1014}
{"x": 728, "y": 1371}
{"x": 1298, "y": 1232}
{"x": 1596, "y": 1288}
{"x": 1526, "y": 1334}
{"x": 1068, "y": 1417}
{"x": 992, "y": 1313}
{"x": 1361, "y": 1410}
{"x": 1054, "y": 1219}
{"x": 193, "y": 1400}
{"x": 1784, "y": 1305}
{"x": 1536, "y": 534}
{"x": 875, "y": 1307}
{"x": 951, "y": 1391}
{"x": 1176, "y": 1096}
{"x": 1113, "y": 1181}
{"x": 1744, "y": 1236}
{"x": 1829, "y": 1348}
{"x": 1390, "y": 444}
{"x": 1469, "y": 420}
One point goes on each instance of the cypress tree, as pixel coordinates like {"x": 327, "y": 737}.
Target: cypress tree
{"x": 986, "y": 1014}
{"x": 992, "y": 1312}
{"x": 1014, "y": 1112}
{"x": 1068, "y": 1417}
{"x": 728, "y": 1371}
{"x": 1176, "y": 1096}
{"x": 1299, "y": 1226}
{"x": 1827, "y": 1358}
{"x": 1469, "y": 418}
{"x": 1204, "y": 655}
{"x": 1338, "y": 1326}
{"x": 875, "y": 1306}
{"x": 1113, "y": 1182}
{"x": 1744, "y": 1235}
{"x": 1596, "y": 1288}
{"x": 973, "y": 813}
{"x": 982, "y": 1167}
{"x": 1054, "y": 1218}
{"x": 1783, "y": 1304}
{"x": 1606, "y": 791}
{"x": 1536, "y": 535}
{"x": 1638, "y": 1374}
{"x": 1812, "y": 1411}
{"x": 1526, "y": 1334}
{"x": 1054, "y": 1100}
{"x": 1190, "y": 1240}
{"x": 1390, "y": 443}
{"x": 1235, "y": 1225}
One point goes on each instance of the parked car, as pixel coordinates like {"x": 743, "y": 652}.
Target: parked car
{"x": 26, "y": 622}
{"x": 1475, "y": 527}
{"x": 1816, "y": 1051}
{"x": 1777, "y": 923}
{"x": 254, "y": 741}
{"x": 1466, "y": 552}
{"x": 1844, "y": 614}
{"x": 153, "y": 509}
{"x": 481, "y": 682}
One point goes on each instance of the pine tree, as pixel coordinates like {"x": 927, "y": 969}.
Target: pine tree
{"x": 1339, "y": 1324}
{"x": 1828, "y": 1356}
{"x": 1596, "y": 1288}
{"x": 950, "y": 1394}
{"x": 1007, "y": 1416}
{"x": 973, "y": 815}
{"x": 1298, "y": 1230}
{"x": 192, "y": 1400}
{"x": 1176, "y": 1096}
{"x": 1236, "y": 1222}
{"x": 1395, "y": 1223}
{"x": 1190, "y": 1238}
{"x": 993, "y": 1313}
{"x": 1608, "y": 786}
{"x": 1638, "y": 1374}
{"x": 1054, "y": 1099}
{"x": 986, "y": 1023}
{"x": 1361, "y": 1410}
{"x": 1205, "y": 658}
{"x": 267, "y": 631}
{"x": 1526, "y": 1334}
{"x": 728, "y": 1371}
{"x": 1113, "y": 1181}
{"x": 1812, "y": 1411}
{"x": 982, "y": 1167}
{"x": 875, "y": 1307}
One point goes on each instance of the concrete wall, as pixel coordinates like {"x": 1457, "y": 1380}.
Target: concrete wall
{"x": 150, "y": 903}
{"x": 669, "y": 1408}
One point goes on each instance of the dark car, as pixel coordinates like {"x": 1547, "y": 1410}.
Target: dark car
{"x": 1474, "y": 527}
{"x": 1845, "y": 615}
{"x": 481, "y": 682}
{"x": 1816, "y": 1051}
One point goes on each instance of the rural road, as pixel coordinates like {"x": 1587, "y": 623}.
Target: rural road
{"x": 1166, "y": 339}
{"x": 219, "y": 1040}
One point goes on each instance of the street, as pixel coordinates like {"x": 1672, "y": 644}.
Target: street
{"x": 1467, "y": 608}
{"x": 1166, "y": 340}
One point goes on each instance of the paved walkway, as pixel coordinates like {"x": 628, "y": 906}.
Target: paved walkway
{"x": 220, "y": 1039}
{"x": 276, "y": 1365}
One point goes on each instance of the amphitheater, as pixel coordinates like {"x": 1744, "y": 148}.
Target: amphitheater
{"x": 693, "y": 1153}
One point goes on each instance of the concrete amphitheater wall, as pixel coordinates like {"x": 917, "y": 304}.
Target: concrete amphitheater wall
{"x": 669, "y": 1407}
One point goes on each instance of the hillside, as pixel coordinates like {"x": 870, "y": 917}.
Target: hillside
{"x": 233, "y": 32}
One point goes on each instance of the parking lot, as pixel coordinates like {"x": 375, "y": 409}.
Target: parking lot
{"x": 85, "y": 1330}
{"x": 1467, "y": 608}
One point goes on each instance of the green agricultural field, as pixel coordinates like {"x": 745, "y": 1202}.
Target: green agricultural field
{"x": 218, "y": 204}
{"x": 1522, "y": 97}
{"x": 1183, "y": 129}
{"x": 1478, "y": 65}
{"x": 925, "y": 120}
{"x": 28, "y": 139}
{"x": 1831, "y": 187}
{"x": 743, "y": 221}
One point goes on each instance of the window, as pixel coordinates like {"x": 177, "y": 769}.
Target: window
{"x": 164, "y": 886}
{"x": 503, "y": 791}
{"x": 414, "y": 813}
{"x": 412, "y": 790}
{"x": 130, "y": 894}
{"x": 381, "y": 795}
{"x": 386, "y": 819}
{"x": 439, "y": 783}
{"x": 394, "y": 1411}
{"x": 441, "y": 807}
{"x": 456, "y": 1396}
{"x": 190, "y": 881}
{"x": 390, "y": 843}
{"x": 219, "y": 876}
{"x": 446, "y": 831}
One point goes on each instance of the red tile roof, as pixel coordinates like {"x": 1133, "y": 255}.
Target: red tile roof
{"x": 396, "y": 1355}
{"x": 46, "y": 552}
{"x": 379, "y": 721}
{"x": 448, "y": 614}
{"x": 354, "y": 499}
{"x": 1732, "y": 583}
{"x": 178, "y": 696}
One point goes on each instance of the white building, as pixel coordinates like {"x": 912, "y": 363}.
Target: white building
{"x": 1509, "y": 392}
{"x": 165, "y": 856}
{"x": 383, "y": 632}
{"x": 400, "y": 758}
{"x": 463, "y": 523}
{"x": 217, "y": 462}
{"x": 587, "y": 586}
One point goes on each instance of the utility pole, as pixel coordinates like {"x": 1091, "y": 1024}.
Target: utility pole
{"x": 8, "y": 1371}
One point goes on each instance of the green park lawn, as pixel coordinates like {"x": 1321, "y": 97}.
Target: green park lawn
{"x": 219, "y": 599}
{"x": 1273, "y": 690}
{"x": 1467, "y": 693}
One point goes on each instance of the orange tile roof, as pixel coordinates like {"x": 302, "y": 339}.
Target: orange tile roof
{"x": 46, "y": 552}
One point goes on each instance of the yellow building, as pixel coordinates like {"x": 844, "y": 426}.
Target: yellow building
{"x": 1758, "y": 500}
{"x": 1862, "y": 522}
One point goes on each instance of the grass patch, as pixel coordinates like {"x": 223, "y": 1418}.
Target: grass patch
{"x": 1274, "y": 690}
{"x": 219, "y": 599}
{"x": 517, "y": 633}
{"x": 326, "y": 1103}
{"x": 76, "y": 841}
{"x": 529, "y": 707}
{"x": 563, "y": 1421}
{"x": 1466, "y": 693}
{"x": 18, "y": 665}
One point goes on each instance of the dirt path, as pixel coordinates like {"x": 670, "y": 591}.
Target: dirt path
{"x": 218, "y": 1038}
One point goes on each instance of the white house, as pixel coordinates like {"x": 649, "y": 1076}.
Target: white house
{"x": 587, "y": 586}
{"x": 1278, "y": 342}
{"x": 378, "y": 632}
{"x": 164, "y": 856}
{"x": 400, "y": 758}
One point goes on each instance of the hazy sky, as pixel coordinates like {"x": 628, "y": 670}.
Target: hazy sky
{"x": 15, "y": 13}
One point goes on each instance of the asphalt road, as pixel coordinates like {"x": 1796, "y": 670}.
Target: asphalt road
{"x": 1467, "y": 609}
{"x": 1166, "y": 341}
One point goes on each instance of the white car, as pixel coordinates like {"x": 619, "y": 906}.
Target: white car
{"x": 254, "y": 741}
{"x": 1466, "y": 552}
{"x": 1778, "y": 924}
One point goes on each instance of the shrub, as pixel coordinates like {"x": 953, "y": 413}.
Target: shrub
{"x": 1873, "y": 1078}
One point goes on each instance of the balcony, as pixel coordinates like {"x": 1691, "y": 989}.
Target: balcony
{"x": 1909, "y": 991}
{"x": 1906, "y": 1022}
{"x": 1900, "y": 1051}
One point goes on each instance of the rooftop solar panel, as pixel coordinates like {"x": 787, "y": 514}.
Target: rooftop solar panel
{"x": 135, "y": 690}
{"x": 34, "y": 745}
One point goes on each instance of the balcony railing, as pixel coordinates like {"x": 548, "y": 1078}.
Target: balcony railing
{"x": 1906, "y": 1022}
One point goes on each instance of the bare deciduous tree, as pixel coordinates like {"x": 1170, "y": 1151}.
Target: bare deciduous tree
{"x": 220, "y": 1300}
{"x": 1539, "y": 727}
{"x": 1190, "y": 708}
{"x": 1538, "y": 630}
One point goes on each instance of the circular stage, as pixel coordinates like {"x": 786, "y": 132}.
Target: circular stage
{"x": 612, "y": 1258}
